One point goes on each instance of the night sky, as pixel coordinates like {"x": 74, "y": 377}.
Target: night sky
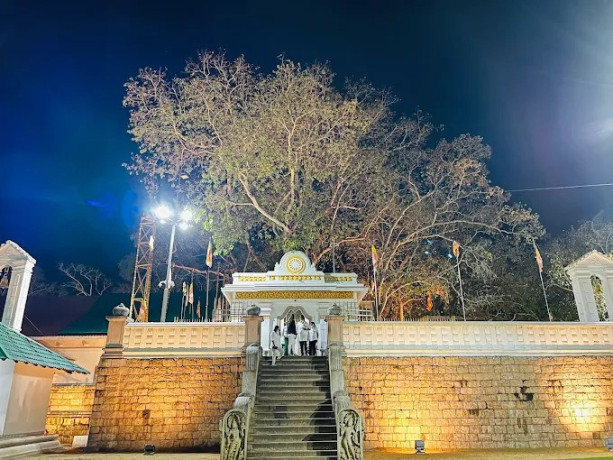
{"x": 534, "y": 78}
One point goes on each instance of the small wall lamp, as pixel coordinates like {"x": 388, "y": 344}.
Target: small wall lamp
{"x": 420, "y": 446}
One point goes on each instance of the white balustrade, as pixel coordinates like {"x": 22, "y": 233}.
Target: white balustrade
{"x": 152, "y": 340}
{"x": 474, "y": 338}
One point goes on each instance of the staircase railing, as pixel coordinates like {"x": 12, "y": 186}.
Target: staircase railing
{"x": 235, "y": 425}
{"x": 349, "y": 423}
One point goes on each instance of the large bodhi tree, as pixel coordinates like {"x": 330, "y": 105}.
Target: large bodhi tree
{"x": 287, "y": 161}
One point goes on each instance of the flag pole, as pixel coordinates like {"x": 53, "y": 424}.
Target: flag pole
{"x": 455, "y": 249}
{"x": 539, "y": 263}
{"x": 461, "y": 290}
{"x": 376, "y": 295}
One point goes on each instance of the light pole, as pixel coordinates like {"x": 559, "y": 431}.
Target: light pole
{"x": 164, "y": 213}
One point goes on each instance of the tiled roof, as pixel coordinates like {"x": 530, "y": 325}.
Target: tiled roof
{"x": 19, "y": 348}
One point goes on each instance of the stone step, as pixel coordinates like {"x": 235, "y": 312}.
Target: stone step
{"x": 28, "y": 446}
{"x": 285, "y": 362}
{"x": 292, "y": 404}
{"x": 289, "y": 399}
{"x": 297, "y": 448}
{"x": 266, "y": 429}
{"x": 279, "y": 369}
{"x": 321, "y": 455}
{"x": 275, "y": 437}
{"x": 303, "y": 419}
{"x": 284, "y": 393}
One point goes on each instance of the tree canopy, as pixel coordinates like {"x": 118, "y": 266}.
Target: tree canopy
{"x": 288, "y": 160}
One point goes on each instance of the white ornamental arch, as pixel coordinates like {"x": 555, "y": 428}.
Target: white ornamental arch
{"x": 581, "y": 271}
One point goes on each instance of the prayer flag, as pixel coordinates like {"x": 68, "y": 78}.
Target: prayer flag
{"x": 190, "y": 296}
{"x": 184, "y": 289}
{"x": 429, "y": 306}
{"x": 143, "y": 314}
{"x": 198, "y": 310}
{"x": 209, "y": 254}
{"x": 539, "y": 259}
{"x": 455, "y": 248}
{"x": 375, "y": 259}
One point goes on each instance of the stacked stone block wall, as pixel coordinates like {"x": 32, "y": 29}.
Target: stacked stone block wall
{"x": 483, "y": 402}
{"x": 70, "y": 409}
{"x": 175, "y": 404}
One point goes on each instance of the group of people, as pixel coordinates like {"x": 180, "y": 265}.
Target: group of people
{"x": 305, "y": 333}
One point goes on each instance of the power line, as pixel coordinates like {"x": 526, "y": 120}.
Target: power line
{"x": 561, "y": 187}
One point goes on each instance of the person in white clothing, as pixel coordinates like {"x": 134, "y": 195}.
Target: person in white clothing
{"x": 291, "y": 336}
{"x": 275, "y": 339}
{"x": 313, "y": 338}
{"x": 303, "y": 337}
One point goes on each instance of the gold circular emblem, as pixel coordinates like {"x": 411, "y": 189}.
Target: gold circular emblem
{"x": 295, "y": 265}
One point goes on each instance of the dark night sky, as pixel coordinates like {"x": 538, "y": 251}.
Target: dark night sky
{"x": 534, "y": 78}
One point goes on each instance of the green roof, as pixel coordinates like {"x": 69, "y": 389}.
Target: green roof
{"x": 19, "y": 348}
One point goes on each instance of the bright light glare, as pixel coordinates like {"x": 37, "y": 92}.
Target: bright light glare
{"x": 162, "y": 212}
{"x": 183, "y": 225}
{"x": 187, "y": 215}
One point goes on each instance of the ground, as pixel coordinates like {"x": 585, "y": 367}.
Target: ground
{"x": 516, "y": 454}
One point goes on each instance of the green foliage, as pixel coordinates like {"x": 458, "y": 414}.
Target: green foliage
{"x": 287, "y": 161}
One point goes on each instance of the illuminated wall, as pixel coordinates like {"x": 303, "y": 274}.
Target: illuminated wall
{"x": 483, "y": 402}
{"x": 70, "y": 409}
{"x": 173, "y": 403}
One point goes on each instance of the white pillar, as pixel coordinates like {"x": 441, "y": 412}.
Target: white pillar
{"x": 17, "y": 295}
{"x": 7, "y": 371}
{"x": 607, "y": 287}
{"x": 584, "y": 297}
{"x": 266, "y": 329}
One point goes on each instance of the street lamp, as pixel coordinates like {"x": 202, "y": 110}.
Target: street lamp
{"x": 165, "y": 213}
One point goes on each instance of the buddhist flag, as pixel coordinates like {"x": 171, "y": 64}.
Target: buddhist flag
{"x": 198, "y": 310}
{"x": 429, "y": 304}
{"x": 375, "y": 258}
{"x": 143, "y": 314}
{"x": 190, "y": 296}
{"x": 209, "y": 254}
{"x": 455, "y": 249}
{"x": 539, "y": 259}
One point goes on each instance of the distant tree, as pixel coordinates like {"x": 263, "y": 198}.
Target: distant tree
{"x": 287, "y": 161}
{"x": 84, "y": 280}
{"x": 595, "y": 234}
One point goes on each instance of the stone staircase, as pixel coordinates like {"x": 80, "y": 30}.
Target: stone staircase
{"x": 293, "y": 416}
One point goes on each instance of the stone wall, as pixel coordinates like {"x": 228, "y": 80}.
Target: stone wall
{"x": 175, "y": 404}
{"x": 70, "y": 409}
{"x": 483, "y": 402}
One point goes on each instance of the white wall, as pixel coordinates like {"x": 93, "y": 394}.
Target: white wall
{"x": 82, "y": 350}
{"x": 29, "y": 399}
{"x": 7, "y": 368}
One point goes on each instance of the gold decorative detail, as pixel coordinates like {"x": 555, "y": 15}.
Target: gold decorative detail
{"x": 294, "y": 295}
{"x": 252, "y": 278}
{"x": 338, "y": 279}
{"x": 295, "y": 265}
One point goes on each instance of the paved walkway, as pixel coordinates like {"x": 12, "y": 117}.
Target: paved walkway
{"x": 533, "y": 454}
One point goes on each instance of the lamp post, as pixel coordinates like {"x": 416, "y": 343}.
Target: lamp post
{"x": 164, "y": 213}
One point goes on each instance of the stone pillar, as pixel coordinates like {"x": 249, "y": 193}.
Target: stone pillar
{"x": 253, "y": 334}
{"x": 335, "y": 329}
{"x": 114, "y": 337}
{"x": 17, "y": 295}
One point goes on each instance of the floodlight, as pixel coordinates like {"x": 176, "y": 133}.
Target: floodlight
{"x": 162, "y": 212}
{"x": 149, "y": 449}
{"x": 608, "y": 443}
{"x": 420, "y": 446}
{"x": 187, "y": 215}
{"x": 183, "y": 225}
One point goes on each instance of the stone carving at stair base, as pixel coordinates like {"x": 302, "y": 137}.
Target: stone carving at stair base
{"x": 351, "y": 433}
{"x": 233, "y": 435}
